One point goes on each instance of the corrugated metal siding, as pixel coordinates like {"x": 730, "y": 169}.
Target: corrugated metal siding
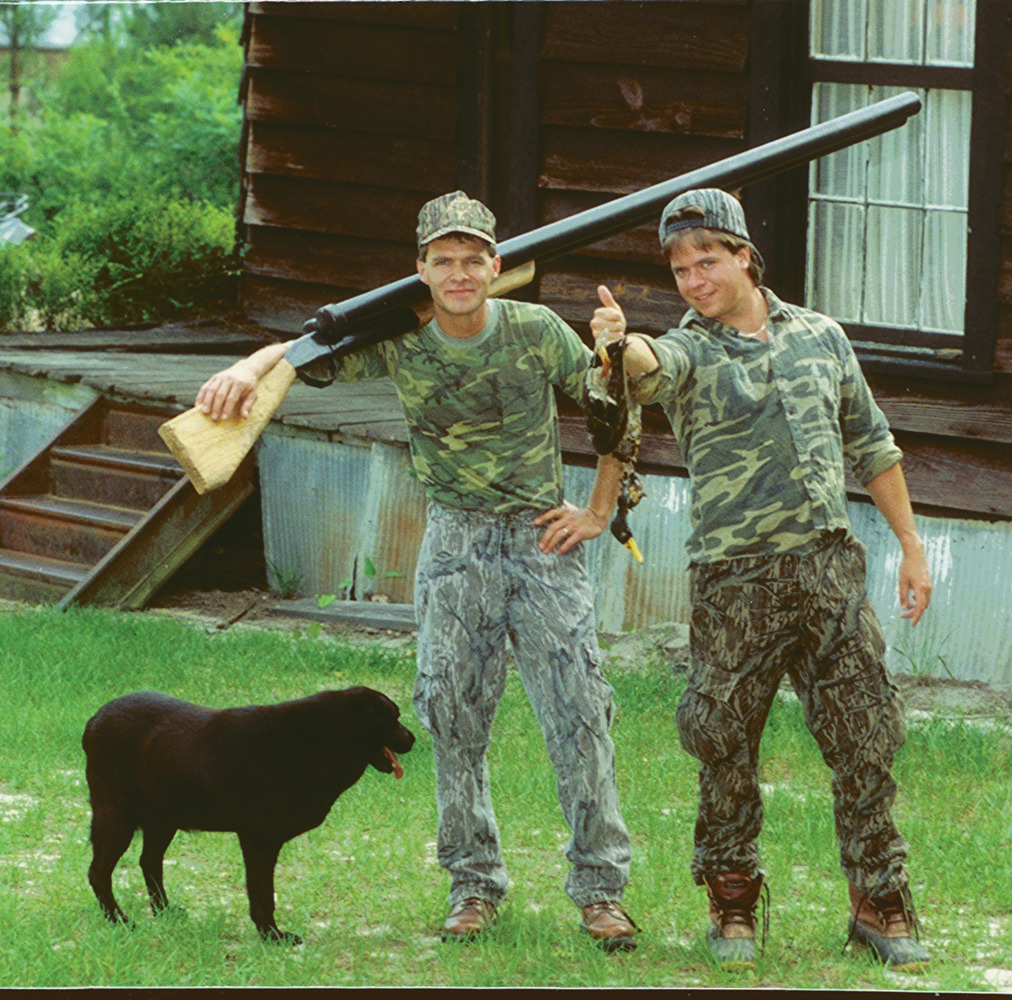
{"x": 312, "y": 499}
{"x": 372, "y": 507}
{"x": 966, "y": 634}
{"x": 630, "y": 595}
{"x": 392, "y": 531}
{"x": 967, "y": 631}
{"x": 32, "y": 411}
{"x": 326, "y": 508}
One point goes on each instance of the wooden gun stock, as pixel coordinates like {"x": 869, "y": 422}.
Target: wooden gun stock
{"x": 210, "y": 452}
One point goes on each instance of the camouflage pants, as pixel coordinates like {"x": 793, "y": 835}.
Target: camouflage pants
{"x": 483, "y": 586}
{"x": 753, "y": 620}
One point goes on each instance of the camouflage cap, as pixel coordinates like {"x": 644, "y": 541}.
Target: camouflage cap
{"x": 454, "y": 213}
{"x": 707, "y": 208}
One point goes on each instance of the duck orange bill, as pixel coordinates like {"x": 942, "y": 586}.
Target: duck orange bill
{"x": 392, "y": 757}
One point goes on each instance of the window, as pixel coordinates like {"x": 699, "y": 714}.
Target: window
{"x": 889, "y": 220}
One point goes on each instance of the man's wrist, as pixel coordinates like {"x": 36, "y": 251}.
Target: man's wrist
{"x": 911, "y": 543}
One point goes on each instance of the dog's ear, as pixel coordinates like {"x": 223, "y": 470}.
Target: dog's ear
{"x": 373, "y": 710}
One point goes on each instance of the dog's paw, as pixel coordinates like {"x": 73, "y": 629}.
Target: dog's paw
{"x": 119, "y": 919}
{"x": 274, "y": 936}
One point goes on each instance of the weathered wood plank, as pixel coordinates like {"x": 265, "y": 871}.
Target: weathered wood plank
{"x": 352, "y": 157}
{"x": 389, "y": 108}
{"x": 423, "y": 15}
{"x": 687, "y": 35}
{"x": 323, "y": 206}
{"x": 651, "y": 306}
{"x": 638, "y": 245}
{"x": 361, "y": 51}
{"x": 620, "y": 163}
{"x": 370, "y": 614}
{"x": 957, "y": 474}
{"x": 1005, "y": 272}
{"x": 283, "y": 306}
{"x": 161, "y": 543}
{"x": 646, "y": 100}
{"x": 948, "y": 418}
{"x": 326, "y": 259}
{"x": 183, "y": 338}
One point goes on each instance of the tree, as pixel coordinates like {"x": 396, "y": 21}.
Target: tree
{"x": 154, "y": 24}
{"x": 21, "y": 26}
{"x": 149, "y": 25}
{"x": 101, "y": 22}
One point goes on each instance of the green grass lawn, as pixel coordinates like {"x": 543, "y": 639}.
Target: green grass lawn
{"x": 364, "y": 889}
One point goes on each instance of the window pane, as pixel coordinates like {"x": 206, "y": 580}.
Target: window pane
{"x": 950, "y": 31}
{"x": 947, "y": 121}
{"x": 893, "y": 255}
{"x": 943, "y": 291}
{"x": 896, "y": 159}
{"x": 896, "y": 31}
{"x": 842, "y": 174}
{"x": 838, "y": 29}
{"x": 836, "y": 260}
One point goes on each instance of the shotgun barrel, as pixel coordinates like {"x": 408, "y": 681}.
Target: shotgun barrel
{"x": 386, "y": 311}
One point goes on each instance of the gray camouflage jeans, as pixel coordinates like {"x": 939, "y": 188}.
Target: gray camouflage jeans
{"x": 753, "y": 620}
{"x": 483, "y": 586}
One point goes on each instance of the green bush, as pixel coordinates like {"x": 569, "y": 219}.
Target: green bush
{"x": 121, "y": 262}
{"x": 58, "y": 287}
{"x": 152, "y": 258}
{"x": 13, "y": 283}
{"x": 131, "y": 167}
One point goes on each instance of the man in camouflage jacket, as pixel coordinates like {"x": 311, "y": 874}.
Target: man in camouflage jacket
{"x": 769, "y": 406}
{"x": 501, "y": 566}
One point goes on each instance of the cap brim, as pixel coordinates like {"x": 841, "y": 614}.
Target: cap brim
{"x": 465, "y": 230}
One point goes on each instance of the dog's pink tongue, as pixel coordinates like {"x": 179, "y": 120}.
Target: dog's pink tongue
{"x": 392, "y": 757}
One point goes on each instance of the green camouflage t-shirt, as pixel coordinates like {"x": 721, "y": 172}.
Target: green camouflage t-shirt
{"x": 766, "y": 429}
{"x": 481, "y": 413}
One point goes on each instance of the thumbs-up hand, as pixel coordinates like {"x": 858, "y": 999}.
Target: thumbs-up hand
{"x": 608, "y": 321}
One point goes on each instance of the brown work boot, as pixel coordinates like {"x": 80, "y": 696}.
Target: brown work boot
{"x": 733, "y": 901}
{"x": 468, "y": 919}
{"x": 888, "y": 927}
{"x": 610, "y": 926}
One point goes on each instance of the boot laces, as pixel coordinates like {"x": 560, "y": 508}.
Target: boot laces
{"x": 735, "y": 914}
{"x": 894, "y": 908}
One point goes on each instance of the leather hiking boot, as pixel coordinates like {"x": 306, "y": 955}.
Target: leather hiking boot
{"x": 888, "y": 927}
{"x": 733, "y": 900}
{"x": 609, "y": 925}
{"x": 468, "y": 919}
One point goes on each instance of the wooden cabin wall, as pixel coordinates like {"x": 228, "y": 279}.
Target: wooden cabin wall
{"x": 629, "y": 100}
{"x": 351, "y": 123}
{"x": 356, "y": 113}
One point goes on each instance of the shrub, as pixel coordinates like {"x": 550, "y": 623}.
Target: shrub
{"x": 153, "y": 258}
{"x": 59, "y": 287}
{"x": 13, "y": 282}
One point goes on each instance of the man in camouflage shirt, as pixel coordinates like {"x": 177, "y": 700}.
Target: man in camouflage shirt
{"x": 769, "y": 406}
{"x": 501, "y": 565}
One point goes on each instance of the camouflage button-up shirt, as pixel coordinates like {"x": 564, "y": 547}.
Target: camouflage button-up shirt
{"x": 766, "y": 429}
{"x": 481, "y": 412}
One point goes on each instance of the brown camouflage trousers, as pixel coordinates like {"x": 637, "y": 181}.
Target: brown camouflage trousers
{"x": 753, "y": 620}
{"x": 483, "y": 586}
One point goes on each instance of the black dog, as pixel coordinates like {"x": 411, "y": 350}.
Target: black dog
{"x": 266, "y": 772}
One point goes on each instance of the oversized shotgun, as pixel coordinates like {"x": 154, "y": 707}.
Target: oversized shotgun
{"x": 210, "y": 452}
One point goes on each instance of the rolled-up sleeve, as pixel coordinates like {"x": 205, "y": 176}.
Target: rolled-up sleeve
{"x": 867, "y": 440}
